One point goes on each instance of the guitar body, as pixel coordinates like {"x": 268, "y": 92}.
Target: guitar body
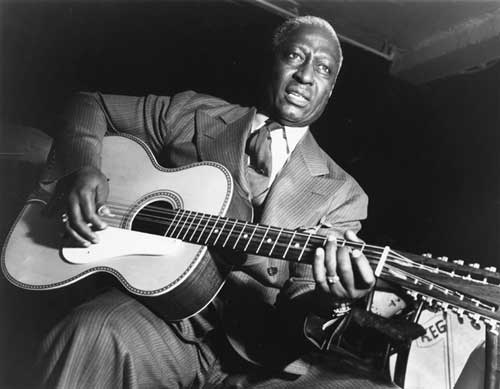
{"x": 146, "y": 263}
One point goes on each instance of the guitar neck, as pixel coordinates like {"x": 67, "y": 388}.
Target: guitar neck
{"x": 246, "y": 237}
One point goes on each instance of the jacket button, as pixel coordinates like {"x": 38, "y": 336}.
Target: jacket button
{"x": 272, "y": 271}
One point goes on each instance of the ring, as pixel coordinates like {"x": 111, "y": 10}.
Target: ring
{"x": 64, "y": 218}
{"x": 331, "y": 280}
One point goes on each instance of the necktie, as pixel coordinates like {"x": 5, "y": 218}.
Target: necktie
{"x": 259, "y": 171}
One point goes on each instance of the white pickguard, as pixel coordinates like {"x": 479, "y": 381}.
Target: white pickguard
{"x": 117, "y": 242}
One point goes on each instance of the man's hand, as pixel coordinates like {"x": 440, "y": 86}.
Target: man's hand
{"x": 87, "y": 191}
{"x": 342, "y": 272}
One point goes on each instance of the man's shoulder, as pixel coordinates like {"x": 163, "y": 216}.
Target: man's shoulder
{"x": 339, "y": 173}
{"x": 211, "y": 105}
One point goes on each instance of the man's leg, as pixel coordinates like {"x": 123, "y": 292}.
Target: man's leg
{"x": 114, "y": 341}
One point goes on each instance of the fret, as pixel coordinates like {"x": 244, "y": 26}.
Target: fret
{"x": 189, "y": 226}
{"x": 219, "y": 232}
{"x": 204, "y": 228}
{"x": 230, "y": 232}
{"x": 212, "y": 230}
{"x": 171, "y": 223}
{"x": 194, "y": 231}
{"x": 289, "y": 244}
{"x": 303, "y": 248}
{"x": 276, "y": 241}
{"x": 239, "y": 236}
{"x": 262, "y": 240}
{"x": 251, "y": 236}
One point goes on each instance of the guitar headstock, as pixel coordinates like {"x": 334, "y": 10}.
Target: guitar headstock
{"x": 465, "y": 289}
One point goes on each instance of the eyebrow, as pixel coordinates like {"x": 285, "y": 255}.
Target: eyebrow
{"x": 321, "y": 54}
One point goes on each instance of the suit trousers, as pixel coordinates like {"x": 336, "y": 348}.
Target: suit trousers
{"x": 114, "y": 341}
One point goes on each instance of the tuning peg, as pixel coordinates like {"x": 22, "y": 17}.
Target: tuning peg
{"x": 427, "y": 255}
{"x": 458, "y": 262}
{"x": 460, "y": 314}
{"x": 443, "y": 258}
{"x": 475, "y": 265}
{"x": 412, "y": 294}
{"x": 475, "y": 320}
{"x": 491, "y": 325}
{"x": 491, "y": 268}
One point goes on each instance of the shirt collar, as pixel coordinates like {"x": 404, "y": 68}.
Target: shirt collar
{"x": 259, "y": 120}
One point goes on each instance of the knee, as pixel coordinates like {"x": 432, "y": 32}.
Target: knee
{"x": 102, "y": 317}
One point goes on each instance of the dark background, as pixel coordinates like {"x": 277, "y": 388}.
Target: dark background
{"x": 427, "y": 156}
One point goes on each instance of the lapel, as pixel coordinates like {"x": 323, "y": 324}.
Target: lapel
{"x": 304, "y": 188}
{"x": 222, "y": 137}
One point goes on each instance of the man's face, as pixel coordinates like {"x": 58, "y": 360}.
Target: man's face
{"x": 304, "y": 73}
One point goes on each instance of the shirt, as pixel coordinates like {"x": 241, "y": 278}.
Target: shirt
{"x": 279, "y": 142}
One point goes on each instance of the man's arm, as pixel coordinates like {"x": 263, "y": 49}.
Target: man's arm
{"x": 307, "y": 290}
{"x": 84, "y": 123}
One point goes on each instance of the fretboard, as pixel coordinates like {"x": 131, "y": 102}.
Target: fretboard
{"x": 243, "y": 236}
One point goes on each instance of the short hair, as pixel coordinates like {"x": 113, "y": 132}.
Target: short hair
{"x": 288, "y": 26}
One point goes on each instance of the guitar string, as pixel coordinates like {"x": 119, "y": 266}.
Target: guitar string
{"x": 210, "y": 219}
{"x": 367, "y": 249}
{"x": 372, "y": 252}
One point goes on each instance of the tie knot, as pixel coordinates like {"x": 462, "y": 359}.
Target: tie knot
{"x": 271, "y": 125}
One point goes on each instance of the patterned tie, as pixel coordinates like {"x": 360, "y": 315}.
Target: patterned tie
{"x": 261, "y": 161}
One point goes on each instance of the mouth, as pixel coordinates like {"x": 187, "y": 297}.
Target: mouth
{"x": 296, "y": 97}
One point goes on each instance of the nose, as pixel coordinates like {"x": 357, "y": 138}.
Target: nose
{"x": 304, "y": 73}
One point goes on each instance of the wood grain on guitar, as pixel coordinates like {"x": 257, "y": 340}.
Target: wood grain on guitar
{"x": 164, "y": 220}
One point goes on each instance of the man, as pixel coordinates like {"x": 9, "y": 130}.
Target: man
{"x": 267, "y": 304}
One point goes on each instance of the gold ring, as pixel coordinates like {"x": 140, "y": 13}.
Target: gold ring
{"x": 332, "y": 279}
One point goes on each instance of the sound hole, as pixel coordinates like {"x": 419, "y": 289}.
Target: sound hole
{"x": 154, "y": 218}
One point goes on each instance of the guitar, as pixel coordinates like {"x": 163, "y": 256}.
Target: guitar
{"x": 163, "y": 221}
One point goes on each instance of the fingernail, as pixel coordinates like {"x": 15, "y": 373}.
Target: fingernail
{"x": 104, "y": 211}
{"x": 356, "y": 253}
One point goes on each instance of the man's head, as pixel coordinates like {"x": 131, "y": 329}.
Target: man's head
{"x": 307, "y": 59}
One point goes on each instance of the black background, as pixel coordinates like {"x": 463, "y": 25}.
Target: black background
{"x": 427, "y": 156}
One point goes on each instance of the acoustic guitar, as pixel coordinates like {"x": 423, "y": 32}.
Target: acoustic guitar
{"x": 165, "y": 219}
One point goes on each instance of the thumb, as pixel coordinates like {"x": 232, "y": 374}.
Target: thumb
{"x": 102, "y": 192}
{"x": 351, "y": 235}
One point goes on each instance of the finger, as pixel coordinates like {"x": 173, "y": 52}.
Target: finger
{"x": 345, "y": 272}
{"x": 351, "y": 235}
{"x": 88, "y": 207}
{"x": 331, "y": 265}
{"x": 78, "y": 223}
{"x": 331, "y": 256}
{"x": 319, "y": 270}
{"x": 102, "y": 193}
{"x": 363, "y": 270}
{"x": 75, "y": 236}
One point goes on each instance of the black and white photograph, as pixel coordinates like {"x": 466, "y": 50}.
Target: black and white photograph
{"x": 250, "y": 194}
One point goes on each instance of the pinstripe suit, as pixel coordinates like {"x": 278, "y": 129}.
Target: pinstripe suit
{"x": 311, "y": 190}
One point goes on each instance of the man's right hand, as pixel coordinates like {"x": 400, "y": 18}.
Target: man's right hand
{"x": 87, "y": 193}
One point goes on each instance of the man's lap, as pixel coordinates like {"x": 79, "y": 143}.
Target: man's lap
{"x": 117, "y": 336}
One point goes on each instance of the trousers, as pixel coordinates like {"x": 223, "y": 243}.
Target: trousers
{"x": 114, "y": 341}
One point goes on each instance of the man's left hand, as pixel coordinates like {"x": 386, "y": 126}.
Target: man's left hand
{"x": 342, "y": 272}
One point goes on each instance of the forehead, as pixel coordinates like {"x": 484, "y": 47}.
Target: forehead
{"x": 314, "y": 38}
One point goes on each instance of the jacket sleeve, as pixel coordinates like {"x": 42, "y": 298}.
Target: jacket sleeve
{"x": 298, "y": 299}
{"x": 90, "y": 116}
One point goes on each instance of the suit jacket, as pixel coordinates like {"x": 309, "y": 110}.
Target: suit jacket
{"x": 310, "y": 191}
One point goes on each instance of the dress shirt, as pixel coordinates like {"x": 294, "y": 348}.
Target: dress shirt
{"x": 279, "y": 149}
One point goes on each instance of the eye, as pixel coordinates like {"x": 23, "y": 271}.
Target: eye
{"x": 324, "y": 69}
{"x": 293, "y": 56}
